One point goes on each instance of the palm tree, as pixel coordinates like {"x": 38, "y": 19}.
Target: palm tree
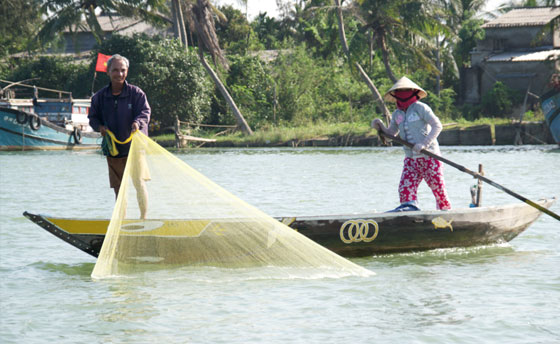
{"x": 316, "y": 24}
{"x": 67, "y": 14}
{"x": 399, "y": 29}
{"x": 179, "y": 22}
{"x": 363, "y": 74}
{"x": 459, "y": 13}
{"x": 199, "y": 16}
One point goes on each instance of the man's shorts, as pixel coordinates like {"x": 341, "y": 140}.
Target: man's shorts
{"x": 116, "y": 170}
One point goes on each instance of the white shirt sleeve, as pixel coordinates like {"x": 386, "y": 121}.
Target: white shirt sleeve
{"x": 393, "y": 128}
{"x": 429, "y": 117}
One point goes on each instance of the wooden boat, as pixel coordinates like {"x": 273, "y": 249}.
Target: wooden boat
{"x": 46, "y": 124}
{"x": 20, "y": 130}
{"x": 351, "y": 235}
{"x": 551, "y": 108}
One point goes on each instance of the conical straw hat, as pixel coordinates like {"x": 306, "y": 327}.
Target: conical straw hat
{"x": 402, "y": 83}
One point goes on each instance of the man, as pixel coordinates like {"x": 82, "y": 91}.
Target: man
{"x": 123, "y": 109}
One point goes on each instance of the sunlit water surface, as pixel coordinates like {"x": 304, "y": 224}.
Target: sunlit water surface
{"x": 507, "y": 293}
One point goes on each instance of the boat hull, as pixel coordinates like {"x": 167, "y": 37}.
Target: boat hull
{"x": 419, "y": 230}
{"x": 355, "y": 235}
{"x": 551, "y": 109}
{"x": 20, "y": 130}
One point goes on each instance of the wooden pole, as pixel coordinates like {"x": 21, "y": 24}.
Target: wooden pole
{"x": 177, "y": 132}
{"x": 474, "y": 174}
{"x": 479, "y": 187}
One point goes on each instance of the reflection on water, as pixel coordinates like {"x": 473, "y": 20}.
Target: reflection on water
{"x": 458, "y": 256}
{"x": 83, "y": 269}
{"x": 130, "y": 300}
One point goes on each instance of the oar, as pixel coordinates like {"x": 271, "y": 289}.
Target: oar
{"x": 474, "y": 174}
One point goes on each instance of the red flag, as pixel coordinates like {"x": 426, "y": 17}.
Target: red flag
{"x": 101, "y": 65}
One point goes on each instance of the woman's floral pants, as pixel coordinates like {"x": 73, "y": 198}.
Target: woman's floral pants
{"x": 428, "y": 169}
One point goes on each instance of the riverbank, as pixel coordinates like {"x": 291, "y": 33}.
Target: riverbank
{"x": 498, "y": 133}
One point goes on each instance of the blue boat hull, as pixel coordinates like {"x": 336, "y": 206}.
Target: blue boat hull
{"x": 551, "y": 110}
{"x": 24, "y": 131}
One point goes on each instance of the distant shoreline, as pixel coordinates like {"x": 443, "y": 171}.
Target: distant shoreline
{"x": 477, "y": 135}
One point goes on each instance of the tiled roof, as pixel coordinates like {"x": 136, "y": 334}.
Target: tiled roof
{"x": 531, "y": 16}
{"x": 525, "y": 56}
{"x": 117, "y": 23}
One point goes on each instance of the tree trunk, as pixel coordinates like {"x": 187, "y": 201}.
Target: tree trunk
{"x": 438, "y": 66}
{"x": 206, "y": 37}
{"x": 238, "y": 116}
{"x": 181, "y": 20}
{"x": 370, "y": 51}
{"x": 381, "y": 42}
{"x": 179, "y": 23}
{"x": 363, "y": 74}
{"x": 206, "y": 31}
{"x": 176, "y": 26}
{"x": 341, "y": 32}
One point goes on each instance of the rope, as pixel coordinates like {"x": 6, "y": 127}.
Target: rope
{"x": 109, "y": 142}
{"x": 207, "y": 125}
{"x": 117, "y": 141}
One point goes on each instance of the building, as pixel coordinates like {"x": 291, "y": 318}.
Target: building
{"x": 521, "y": 49}
{"x": 81, "y": 40}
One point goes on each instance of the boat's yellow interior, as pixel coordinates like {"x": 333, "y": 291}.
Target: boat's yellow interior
{"x": 81, "y": 226}
{"x": 168, "y": 228}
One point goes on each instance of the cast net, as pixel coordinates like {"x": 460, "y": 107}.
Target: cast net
{"x": 167, "y": 214}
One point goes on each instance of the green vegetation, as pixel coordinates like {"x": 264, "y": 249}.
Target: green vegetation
{"x": 500, "y": 100}
{"x": 342, "y": 132}
{"x": 18, "y": 21}
{"x": 306, "y": 88}
{"x": 281, "y": 135}
{"x": 53, "y": 73}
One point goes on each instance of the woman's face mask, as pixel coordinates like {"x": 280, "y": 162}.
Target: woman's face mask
{"x": 405, "y": 98}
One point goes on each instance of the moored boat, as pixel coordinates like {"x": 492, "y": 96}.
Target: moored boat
{"x": 348, "y": 235}
{"x": 46, "y": 124}
{"x": 551, "y": 109}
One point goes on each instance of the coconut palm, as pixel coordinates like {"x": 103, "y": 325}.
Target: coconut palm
{"x": 200, "y": 18}
{"x": 463, "y": 29}
{"x": 363, "y": 74}
{"x": 400, "y": 29}
{"x": 178, "y": 21}
{"x": 68, "y": 14}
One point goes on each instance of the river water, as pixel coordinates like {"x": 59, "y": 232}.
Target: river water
{"x": 506, "y": 293}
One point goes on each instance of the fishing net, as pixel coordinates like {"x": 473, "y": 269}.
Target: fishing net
{"x": 167, "y": 214}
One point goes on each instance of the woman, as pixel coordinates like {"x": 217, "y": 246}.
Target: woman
{"x": 416, "y": 123}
